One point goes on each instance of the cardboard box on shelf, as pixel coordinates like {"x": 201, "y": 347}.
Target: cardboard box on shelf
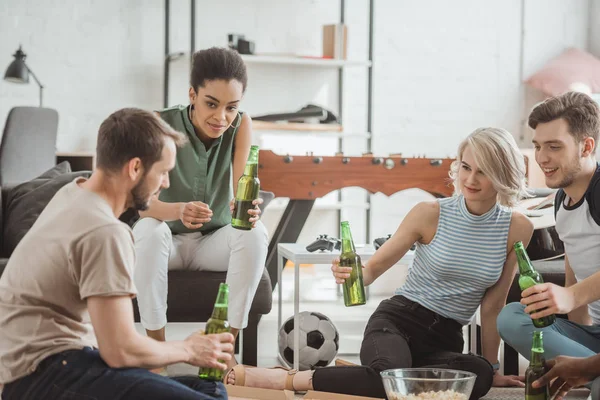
{"x": 335, "y": 41}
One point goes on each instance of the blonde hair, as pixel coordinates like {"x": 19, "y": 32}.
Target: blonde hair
{"x": 499, "y": 158}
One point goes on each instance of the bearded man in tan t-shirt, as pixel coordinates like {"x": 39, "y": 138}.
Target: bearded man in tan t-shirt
{"x": 66, "y": 316}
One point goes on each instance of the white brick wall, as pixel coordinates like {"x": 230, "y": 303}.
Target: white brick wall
{"x": 594, "y": 25}
{"x": 441, "y": 68}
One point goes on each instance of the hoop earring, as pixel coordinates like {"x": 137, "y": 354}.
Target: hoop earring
{"x": 239, "y": 121}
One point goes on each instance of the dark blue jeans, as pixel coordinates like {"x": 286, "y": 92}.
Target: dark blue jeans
{"x": 83, "y": 375}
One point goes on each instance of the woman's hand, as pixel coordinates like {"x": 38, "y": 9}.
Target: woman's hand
{"x": 508, "y": 380}
{"x": 194, "y": 214}
{"x": 254, "y": 212}
{"x": 340, "y": 273}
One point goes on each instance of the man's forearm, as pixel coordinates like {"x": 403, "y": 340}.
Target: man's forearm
{"x": 162, "y": 211}
{"x": 592, "y": 364}
{"x": 144, "y": 352}
{"x": 586, "y": 291}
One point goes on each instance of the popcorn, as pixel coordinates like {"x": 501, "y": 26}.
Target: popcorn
{"x": 431, "y": 395}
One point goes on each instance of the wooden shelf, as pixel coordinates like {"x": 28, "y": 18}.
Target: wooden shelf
{"x": 308, "y": 61}
{"x": 295, "y": 126}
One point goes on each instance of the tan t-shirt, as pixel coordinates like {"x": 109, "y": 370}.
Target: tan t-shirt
{"x": 77, "y": 248}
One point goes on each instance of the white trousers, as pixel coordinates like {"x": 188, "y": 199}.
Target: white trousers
{"x": 241, "y": 253}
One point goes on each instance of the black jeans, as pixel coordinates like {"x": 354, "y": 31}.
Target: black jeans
{"x": 83, "y": 375}
{"x": 404, "y": 334}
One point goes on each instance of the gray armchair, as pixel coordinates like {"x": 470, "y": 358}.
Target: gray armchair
{"x": 28, "y": 146}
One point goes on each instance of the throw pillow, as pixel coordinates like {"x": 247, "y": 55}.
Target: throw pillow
{"x": 26, "y": 201}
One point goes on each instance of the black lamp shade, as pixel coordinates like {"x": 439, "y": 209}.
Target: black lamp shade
{"x": 17, "y": 70}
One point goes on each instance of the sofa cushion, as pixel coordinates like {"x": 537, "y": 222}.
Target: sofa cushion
{"x": 26, "y": 201}
{"x": 192, "y": 295}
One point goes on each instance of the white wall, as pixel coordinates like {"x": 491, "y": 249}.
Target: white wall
{"x": 550, "y": 28}
{"x": 93, "y": 57}
{"x": 441, "y": 69}
{"x": 594, "y": 27}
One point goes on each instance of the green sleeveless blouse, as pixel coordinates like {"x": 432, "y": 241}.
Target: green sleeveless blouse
{"x": 200, "y": 174}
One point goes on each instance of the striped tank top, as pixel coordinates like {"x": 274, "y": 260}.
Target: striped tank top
{"x": 466, "y": 256}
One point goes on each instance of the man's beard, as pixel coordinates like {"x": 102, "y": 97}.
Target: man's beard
{"x": 570, "y": 172}
{"x": 140, "y": 196}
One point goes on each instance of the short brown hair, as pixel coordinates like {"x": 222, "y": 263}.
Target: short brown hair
{"x": 129, "y": 133}
{"x": 580, "y": 111}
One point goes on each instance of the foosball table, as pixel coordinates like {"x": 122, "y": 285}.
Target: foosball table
{"x": 303, "y": 179}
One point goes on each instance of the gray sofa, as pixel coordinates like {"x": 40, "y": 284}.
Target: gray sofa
{"x": 191, "y": 293}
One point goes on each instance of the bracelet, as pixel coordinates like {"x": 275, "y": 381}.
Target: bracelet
{"x": 496, "y": 366}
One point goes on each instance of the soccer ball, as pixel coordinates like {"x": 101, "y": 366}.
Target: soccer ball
{"x": 319, "y": 341}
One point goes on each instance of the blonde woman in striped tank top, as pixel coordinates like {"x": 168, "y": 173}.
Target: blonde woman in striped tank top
{"x": 463, "y": 260}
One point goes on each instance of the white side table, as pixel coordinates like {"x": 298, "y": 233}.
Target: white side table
{"x": 297, "y": 254}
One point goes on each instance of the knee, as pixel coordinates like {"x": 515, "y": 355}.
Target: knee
{"x": 380, "y": 364}
{"x": 152, "y": 234}
{"x": 379, "y": 361}
{"x": 511, "y": 320}
{"x": 255, "y": 237}
{"x": 481, "y": 368}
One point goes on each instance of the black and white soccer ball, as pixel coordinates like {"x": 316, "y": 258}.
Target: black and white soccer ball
{"x": 319, "y": 341}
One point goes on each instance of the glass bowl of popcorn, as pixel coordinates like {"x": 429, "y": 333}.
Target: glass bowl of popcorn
{"x": 427, "y": 384}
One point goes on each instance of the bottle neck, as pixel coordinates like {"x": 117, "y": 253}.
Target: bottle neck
{"x": 537, "y": 350}
{"x": 347, "y": 242}
{"x": 537, "y": 358}
{"x": 524, "y": 262}
{"x": 220, "y": 312}
{"x": 251, "y": 170}
{"x": 252, "y": 163}
{"x": 221, "y": 305}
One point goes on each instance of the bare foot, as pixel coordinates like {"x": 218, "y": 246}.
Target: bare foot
{"x": 264, "y": 378}
{"x": 231, "y": 363}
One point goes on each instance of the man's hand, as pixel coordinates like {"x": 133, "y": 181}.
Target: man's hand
{"x": 195, "y": 214}
{"x": 569, "y": 372}
{"x": 209, "y": 350}
{"x": 547, "y": 299}
{"x": 508, "y": 380}
{"x": 254, "y": 212}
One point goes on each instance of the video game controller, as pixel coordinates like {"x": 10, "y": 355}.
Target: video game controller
{"x": 324, "y": 242}
{"x": 377, "y": 243}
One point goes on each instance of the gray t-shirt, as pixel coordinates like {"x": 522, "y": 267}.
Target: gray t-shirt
{"x": 76, "y": 249}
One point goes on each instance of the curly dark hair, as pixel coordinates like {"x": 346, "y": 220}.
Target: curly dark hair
{"x": 217, "y": 63}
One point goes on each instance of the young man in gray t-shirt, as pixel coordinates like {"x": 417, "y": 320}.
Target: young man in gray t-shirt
{"x": 66, "y": 316}
{"x": 566, "y": 134}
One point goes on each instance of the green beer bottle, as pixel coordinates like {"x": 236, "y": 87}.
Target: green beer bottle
{"x": 247, "y": 191}
{"x": 530, "y": 277}
{"x": 354, "y": 288}
{"x": 216, "y": 324}
{"x": 535, "y": 370}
